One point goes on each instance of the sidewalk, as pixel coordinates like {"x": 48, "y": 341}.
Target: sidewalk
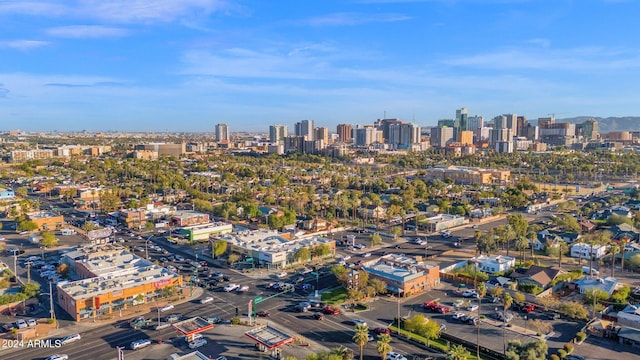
{"x": 86, "y": 325}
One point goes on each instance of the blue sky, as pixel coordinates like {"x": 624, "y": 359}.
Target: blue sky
{"x": 185, "y": 65}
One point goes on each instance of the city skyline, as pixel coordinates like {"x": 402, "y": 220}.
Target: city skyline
{"x": 189, "y": 65}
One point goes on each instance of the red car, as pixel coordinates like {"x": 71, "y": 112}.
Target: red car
{"x": 381, "y": 330}
{"x": 442, "y": 309}
{"x": 528, "y": 308}
{"x": 429, "y": 305}
{"x": 330, "y": 310}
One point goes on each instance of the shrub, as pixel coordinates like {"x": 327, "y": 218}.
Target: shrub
{"x": 580, "y": 336}
{"x": 569, "y": 348}
{"x": 50, "y": 321}
{"x": 562, "y": 353}
{"x": 554, "y": 357}
{"x": 530, "y": 288}
{"x": 235, "y": 320}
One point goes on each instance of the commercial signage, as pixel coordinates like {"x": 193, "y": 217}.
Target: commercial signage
{"x": 162, "y": 283}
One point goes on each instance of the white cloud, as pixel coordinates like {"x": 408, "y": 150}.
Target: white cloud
{"x": 23, "y": 45}
{"x": 576, "y": 59}
{"x": 350, "y": 19}
{"x": 87, "y": 31}
{"x": 119, "y": 11}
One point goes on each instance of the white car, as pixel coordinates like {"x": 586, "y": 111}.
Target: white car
{"x": 231, "y": 287}
{"x": 395, "y": 356}
{"x": 282, "y": 275}
{"x": 58, "y": 357}
{"x": 359, "y": 322}
{"x": 242, "y": 288}
{"x": 138, "y": 344}
{"x": 346, "y": 257}
{"x": 166, "y": 308}
{"x": 366, "y": 255}
{"x": 208, "y": 299}
{"x": 473, "y": 308}
{"x": 198, "y": 343}
{"x": 69, "y": 339}
{"x": 470, "y": 293}
{"x": 458, "y": 315}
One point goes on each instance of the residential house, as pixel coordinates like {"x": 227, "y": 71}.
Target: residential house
{"x": 629, "y": 316}
{"x": 587, "y": 226}
{"x": 494, "y": 264}
{"x": 586, "y": 283}
{"x": 625, "y": 231}
{"x": 372, "y": 211}
{"x": 587, "y": 251}
{"x": 621, "y": 211}
{"x": 546, "y": 239}
{"x": 7, "y": 194}
{"x": 537, "y": 275}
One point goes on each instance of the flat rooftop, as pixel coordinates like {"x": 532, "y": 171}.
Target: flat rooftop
{"x": 269, "y": 336}
{"x": 114, "y": 263}
{"x": 192, "y": 326}
{"x": 42, "y": 214}
{"x": 114, "y": 281}
{"x": 270, "y": 241}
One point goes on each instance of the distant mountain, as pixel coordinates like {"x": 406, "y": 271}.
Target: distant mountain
{"x": 626, "y": 123}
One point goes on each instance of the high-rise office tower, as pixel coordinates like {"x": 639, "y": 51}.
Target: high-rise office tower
{"x": 305, "y": 128}
{"x": 475, "y": 122}
{"x": 461, "y": 119}
{"x": 322, "y": 133}
{"x": 522, "y": 122}
{"x": 366, "y": 136}
{"x": 222, "y": 132}
{"x": 345, "y": 132}
{"x": 383, "y": 126}
{"x": 512, "y": 123}
{"x": 441, "y": 136}
{"x": 277, "y": 133}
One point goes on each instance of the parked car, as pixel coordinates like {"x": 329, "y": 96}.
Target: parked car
{"x": 173, "y": 318}
{"x": 198, "y": 343}
{"x": 458, "y": 316}
{"x": 21, "y": 324}
{"x": 214, "y": 320}
{"x": 8, "y": 327}
{"x": 472, "y": 307}
{"x": 32, "y": 322}
{"x": 263, "y": 313}
{"x": 318, "y": 316}
{"x": 470, "y": 293}
{"x": 505, "y": 317}
{"x": 243, "y": 288}
{"x": 282, "y": 275}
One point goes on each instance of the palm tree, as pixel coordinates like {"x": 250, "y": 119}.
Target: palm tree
{"x": 614, "y": 249}
{"x": 361, "y": 337}
{"x": 521, "y": 245}
{"x": 562, "y": 247}
{"x": 458, "y": 352}
{"x": 623, "y": 245}
{"x": 383, "y": 347}
{"x": 342, "y": 352}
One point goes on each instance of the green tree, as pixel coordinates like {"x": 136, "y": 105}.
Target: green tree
{"x": 375, "y": 239}
{"x": 233, "y": 258}
{"x": 518, "y": 297}
{"x": 573, "y": 309}
{"x": 383, "y": 346}
{"x": 219, "y": 247}
{"x": 595, "y": 294}
{"x": 396, "y": 231}
{"x": 378, "y": 285}
{"x": 30, "y": 289}
{"x": 303, "y": 254}
{"x": 48, "y": 239}
{"x": 26, "y": 225}
{"x": 341, "y": 273}
{"x": 361, "y": 337}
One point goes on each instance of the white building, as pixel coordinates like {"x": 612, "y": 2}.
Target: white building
{"x": 494, "y": 264}
{"x": 272, "y": 249}
{"x": 585, "y": 251}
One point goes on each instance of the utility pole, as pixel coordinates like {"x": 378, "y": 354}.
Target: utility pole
{"x": 28, "y": 273}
